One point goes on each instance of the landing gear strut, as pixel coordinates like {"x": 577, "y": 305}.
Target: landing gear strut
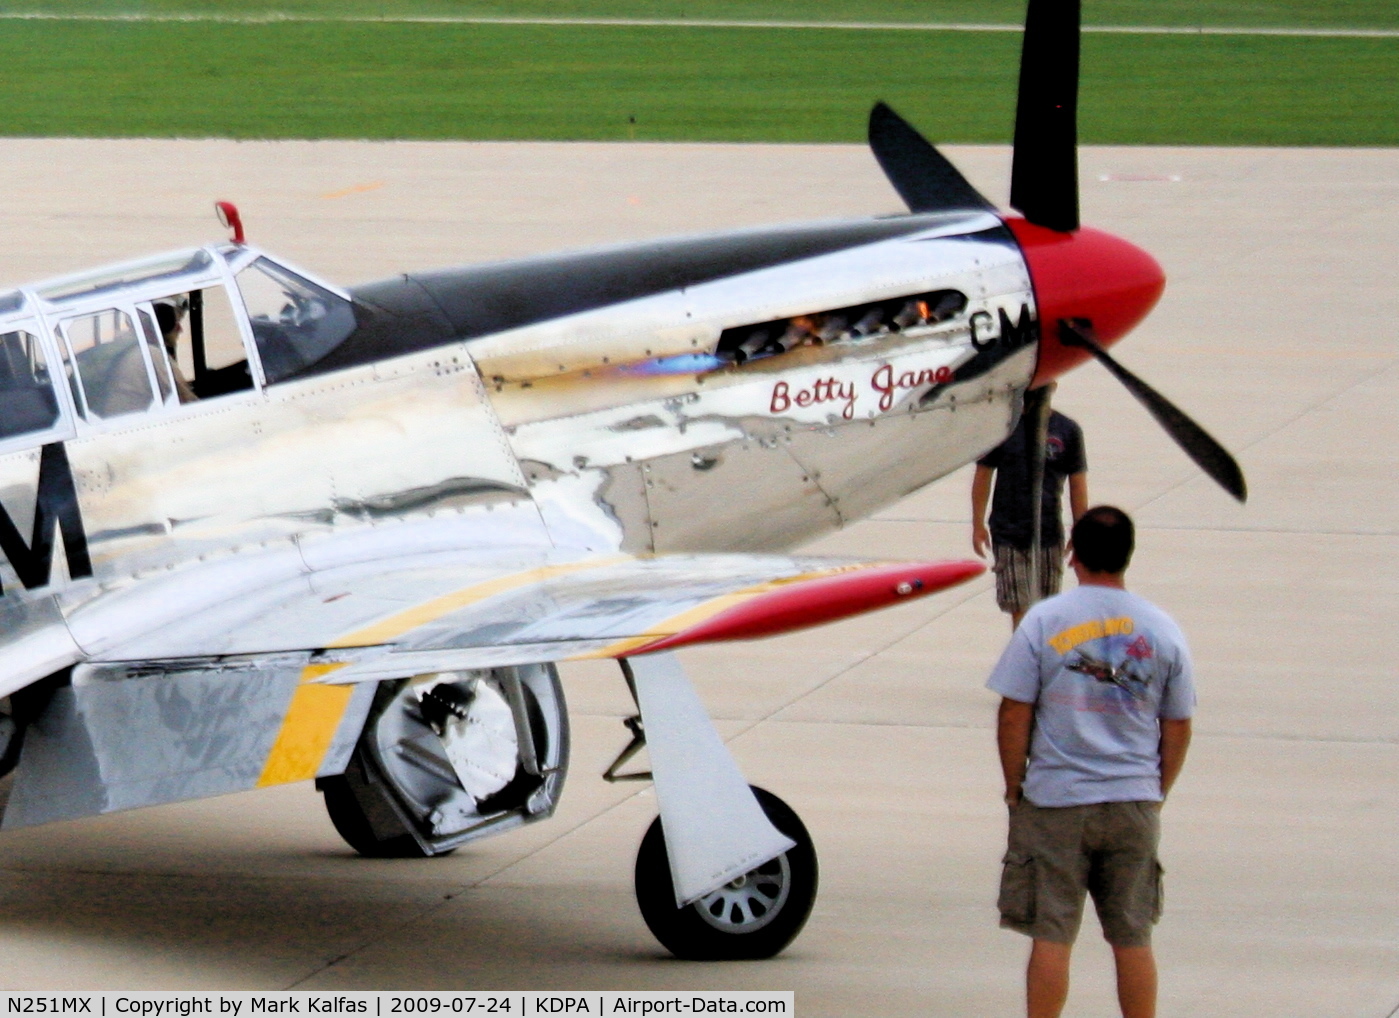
{"x": 715, "y": 823}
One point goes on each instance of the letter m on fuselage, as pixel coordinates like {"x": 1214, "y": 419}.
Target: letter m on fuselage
{"x": 55, "y": 509}
{"x": 1020, "y": 333}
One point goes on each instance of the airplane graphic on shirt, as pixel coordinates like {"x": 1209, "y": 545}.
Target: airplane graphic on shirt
{"x": 1121, "y": 676}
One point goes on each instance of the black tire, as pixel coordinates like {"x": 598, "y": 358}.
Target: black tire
{"x": 764, "y": 913}
{"x": 11, "y": 737}
{"x": 353, "y": 825}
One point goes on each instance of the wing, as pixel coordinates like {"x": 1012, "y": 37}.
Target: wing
{"x": 258, "y": 669}
{"x": 442, "y": 612}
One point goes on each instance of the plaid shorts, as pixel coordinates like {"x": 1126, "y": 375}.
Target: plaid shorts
{"x": 1012, "y": 570}
{"x": 1057, "y": 855}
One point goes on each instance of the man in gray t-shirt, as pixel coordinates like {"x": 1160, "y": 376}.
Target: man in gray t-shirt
{"x": 1094, "y": 724}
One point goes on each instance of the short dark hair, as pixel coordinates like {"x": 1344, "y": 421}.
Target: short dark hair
{"x": 167, "y": 318}
{"x": 1104, "y": 539}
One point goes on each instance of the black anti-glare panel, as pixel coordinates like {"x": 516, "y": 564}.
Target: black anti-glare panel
{"x": 921, "y": 174}
{"x": 1044, "y": 171}
{"x": 491, "y": 298}
{"x": 408, "y": 313}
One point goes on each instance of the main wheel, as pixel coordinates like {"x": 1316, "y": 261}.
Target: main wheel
{"x": 440, "y": 761}
{"x": 754, "y": 916}
{"x": 11, "y": 737}
{"x": 345, "y": 796}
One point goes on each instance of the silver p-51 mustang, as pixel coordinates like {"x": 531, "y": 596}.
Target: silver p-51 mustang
{"x": 258, "y": 529}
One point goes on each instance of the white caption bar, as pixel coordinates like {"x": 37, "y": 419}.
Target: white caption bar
{"x": 501, "y": 1003}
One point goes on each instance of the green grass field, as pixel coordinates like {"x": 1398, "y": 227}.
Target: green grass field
{"x": 358, "y": 80}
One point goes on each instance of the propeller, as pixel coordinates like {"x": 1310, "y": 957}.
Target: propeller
{"x": 921, "y": 174}
{"x": 1044, "y": 166}
{"x": 1209, "y": 455}
{"x": 1078, "y": 274}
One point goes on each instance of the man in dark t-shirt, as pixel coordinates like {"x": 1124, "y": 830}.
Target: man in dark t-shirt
{"x": 1009, "y": 534}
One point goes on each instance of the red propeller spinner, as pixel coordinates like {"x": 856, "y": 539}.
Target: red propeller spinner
{"x": 1088, "y": 274}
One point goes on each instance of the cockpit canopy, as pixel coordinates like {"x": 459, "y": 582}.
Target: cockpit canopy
{"x": 152, "y": 335}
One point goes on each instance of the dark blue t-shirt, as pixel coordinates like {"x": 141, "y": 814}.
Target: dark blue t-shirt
{"x": 1011, "y": 508}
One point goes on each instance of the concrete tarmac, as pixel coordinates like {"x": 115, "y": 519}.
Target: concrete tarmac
{"x": 1277, "y": 330}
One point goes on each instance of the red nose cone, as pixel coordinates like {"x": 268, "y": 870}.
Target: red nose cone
{"x": 1088, "y": 274}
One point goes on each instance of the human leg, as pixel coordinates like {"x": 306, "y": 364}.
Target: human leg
{"x": 1047, "y": 979}
{"x": 1051, "y": 570}
{"x": 1015, "y": 592}
{"x": 1012, "y": 569}
{"x": 1125, "y": 882}
{"x": 1136, "y": 981}
{"x": 1043, "y": 884}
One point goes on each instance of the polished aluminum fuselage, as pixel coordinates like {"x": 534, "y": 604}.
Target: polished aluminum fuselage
{"x": 589, "y": 431}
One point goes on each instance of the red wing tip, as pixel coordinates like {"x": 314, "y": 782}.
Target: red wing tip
{"x": 820, "y": 599}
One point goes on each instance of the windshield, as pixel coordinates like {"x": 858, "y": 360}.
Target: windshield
{"x": 294, "y": 321}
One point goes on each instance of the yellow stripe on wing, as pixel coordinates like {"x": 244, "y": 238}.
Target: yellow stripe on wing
{"x": 430, "y": 611}
{"x": 317, "y": 707}
{"x": 308, "y": 728}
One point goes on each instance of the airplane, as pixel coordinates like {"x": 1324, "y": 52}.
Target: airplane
{"x": 258, "y": 528}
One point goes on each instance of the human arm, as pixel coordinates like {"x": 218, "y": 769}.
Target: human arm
{"x": 1014, "y": 721}
{"x": 1078, "y": 494}
{"x": 981, "y": 496}
{"x": 1175, "y": 742}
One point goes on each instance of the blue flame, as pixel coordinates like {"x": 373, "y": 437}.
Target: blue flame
{"x": 680, "y": 364}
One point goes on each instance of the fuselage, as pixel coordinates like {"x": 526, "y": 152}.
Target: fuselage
{"x": 749, "y": 391}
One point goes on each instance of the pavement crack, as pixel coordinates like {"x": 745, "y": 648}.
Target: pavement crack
{"x": 1295, "y": 531}
{"x": 561, "y": 836}
{"x": 1283, "y": 425}
{"x": 988, "y": 725}
{"x": 470, "y": 885}
{"x": 384, "y": 934}
{"x": 980, "y": 590}
{"x": 1173, "y": 527}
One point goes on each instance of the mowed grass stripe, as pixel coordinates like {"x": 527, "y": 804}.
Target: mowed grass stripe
{"x": 602, "y": 22}
{"x": 1218, "y": 13}
{"x": 329, "y": 80}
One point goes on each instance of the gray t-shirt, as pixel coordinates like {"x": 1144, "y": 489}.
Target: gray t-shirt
{"x": 1102, "y": 667}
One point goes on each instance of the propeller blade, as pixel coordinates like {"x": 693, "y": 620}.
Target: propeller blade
{"x": 1209, "y": 455}
{"x": 921, "y": 174}
{"x": 1037, "y": 411}
{"x": 1044, "y": 167}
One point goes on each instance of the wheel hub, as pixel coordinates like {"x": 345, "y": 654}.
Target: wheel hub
{"x": 748, "y": 902}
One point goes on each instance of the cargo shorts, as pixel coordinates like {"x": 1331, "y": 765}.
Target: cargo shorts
{"x": 1012, "y": 569}
{"x": 1056, "y": 855}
